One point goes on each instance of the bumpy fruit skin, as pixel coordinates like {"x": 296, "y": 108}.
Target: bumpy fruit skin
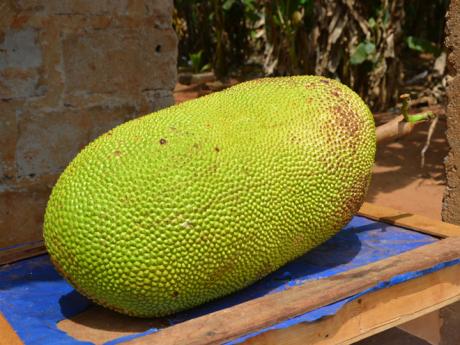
{"x": 201, "y": 199}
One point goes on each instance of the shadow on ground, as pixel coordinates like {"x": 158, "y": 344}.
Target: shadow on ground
{"x": 393, "y": 336}
{"x": 398, "y": 181}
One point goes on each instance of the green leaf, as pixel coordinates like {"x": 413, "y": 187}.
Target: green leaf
{"x": 196, "y": 60}
{"x": 369, "y": 47}
{"x": 249, "y": 5}
{"x": 205, "y": 68}
{"x": 276, "y": 21}
{"x": 422, "y": 45}
{"x": 362, "y": 52}
{"x": 372, "y": 23}
{"x": 228, "y": 4}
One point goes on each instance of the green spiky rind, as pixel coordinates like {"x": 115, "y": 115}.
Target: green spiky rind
{"x": 201, "y": 199}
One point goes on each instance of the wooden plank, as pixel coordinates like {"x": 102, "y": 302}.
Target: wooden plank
{"x": 9, "y": 256}
{"x": 230, "y": 323}
{"x": 373, "y": 313}
{"x": 394, "y": 129}
{"x": 408, "y": 220}
{"x": 7, "y": 335}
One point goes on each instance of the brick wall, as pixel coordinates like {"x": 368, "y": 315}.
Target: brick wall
{"x": 69, "y": 71}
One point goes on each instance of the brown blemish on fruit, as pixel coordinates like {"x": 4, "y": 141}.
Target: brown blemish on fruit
{"x": 163, "y": 141}
{"x": 216, "y": 149}
{"x": 175, "y": 294}
{"x": 117, "y": 153}
{"x": 347, "y": 119}
{"x": 335, "y": 93}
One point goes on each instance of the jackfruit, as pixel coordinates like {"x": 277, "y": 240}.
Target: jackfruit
{"x": 196, "y": 201}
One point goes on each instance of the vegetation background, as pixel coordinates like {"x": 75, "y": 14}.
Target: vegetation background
{"x": 380, "y": 48}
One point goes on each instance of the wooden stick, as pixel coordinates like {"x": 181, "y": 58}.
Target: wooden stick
{"x": 7, "y": 335}
{"x": 254, "y": 315}
{"x": 373, "y": 313}
{"x": 394, "y": 129}
{"x": 368, "y": 210}
{"x": 408, "y": 220}
{"x": 23, "y": 252}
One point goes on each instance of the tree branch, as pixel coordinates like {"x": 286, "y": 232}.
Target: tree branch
{"x": 403, "y": 124}
{"x": 399, "y": 127}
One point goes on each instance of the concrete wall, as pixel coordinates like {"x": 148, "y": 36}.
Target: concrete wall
{"x": 69, "y": 71}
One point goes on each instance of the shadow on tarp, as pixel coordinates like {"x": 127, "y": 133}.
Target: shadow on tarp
{"x": 68, "y": 301}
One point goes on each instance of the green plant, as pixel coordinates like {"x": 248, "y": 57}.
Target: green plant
{"x": 284, "y": 20}
{"x": 365, "y": 51}
{"x": 197, "y": 62}
{"x": 360, "y": 43}
{"x": 422, "y": 45}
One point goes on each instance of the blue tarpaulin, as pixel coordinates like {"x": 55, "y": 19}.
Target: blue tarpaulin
{"x": 34, "y": 298}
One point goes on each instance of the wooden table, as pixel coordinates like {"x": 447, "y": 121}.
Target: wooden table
{"x": 369, "y": 314}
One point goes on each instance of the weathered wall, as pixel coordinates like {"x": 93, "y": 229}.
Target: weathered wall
{"x": 70, "y": 70}
{"x": 450, "y": 316}
{"x": 451, "y": 204}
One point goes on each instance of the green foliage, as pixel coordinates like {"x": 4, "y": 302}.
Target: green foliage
{"x": 422, "y": 45}
{"x": 365, "y": 51}
{"x": 228, "y": 4}
{"x": 360, "y": 44}
{"x": 197, "y": 62}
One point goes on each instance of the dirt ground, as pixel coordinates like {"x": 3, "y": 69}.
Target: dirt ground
{"x": 399, "y": 182}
